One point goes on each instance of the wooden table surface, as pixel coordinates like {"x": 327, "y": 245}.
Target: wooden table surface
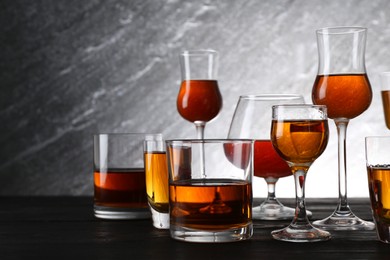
{"x": 64, "y": 227}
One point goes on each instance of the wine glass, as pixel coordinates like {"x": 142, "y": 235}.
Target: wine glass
{"x": 299, "y": 134}
{"x": 251, "y": 120}
{"x": 343, "y": 86}
{"x": 199, "y": 100}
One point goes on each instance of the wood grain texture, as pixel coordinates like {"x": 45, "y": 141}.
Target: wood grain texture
{"x": 64, "y": 227}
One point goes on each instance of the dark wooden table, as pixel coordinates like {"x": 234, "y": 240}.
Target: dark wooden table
{"x": 65, "y": 228}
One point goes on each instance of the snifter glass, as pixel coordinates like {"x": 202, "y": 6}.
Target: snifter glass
{"x": 251, "y": 120}
{"x": 343, "y": 86}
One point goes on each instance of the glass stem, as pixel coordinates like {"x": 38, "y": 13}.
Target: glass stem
{"x": 300, "y": 218}
{"x": 271, "y": 184}
{"x": 343, "y": 207}
{"x": 200, "y": 135}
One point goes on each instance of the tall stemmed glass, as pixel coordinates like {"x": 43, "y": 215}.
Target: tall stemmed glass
{"x": 299, "y": 134}
{"x": 199, "y": 101}
{"x": 343, "y": 86}
{"x": 251, "y": 121}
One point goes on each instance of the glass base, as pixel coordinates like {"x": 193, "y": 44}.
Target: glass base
{"x": 160, "y": 220}
{"x": 274, "y": 211}
{"x": 121, "y": 213}
{"x": 346, "y": 221}
{"x": 306, "y": 233}
{"x": 211, "y": 236}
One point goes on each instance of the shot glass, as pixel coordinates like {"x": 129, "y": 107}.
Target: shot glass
{"x": 156, "y": 171}
{"x": 119, "y": 177}
{"x": 210, "y": 190}
{"x": 378, "y": 169}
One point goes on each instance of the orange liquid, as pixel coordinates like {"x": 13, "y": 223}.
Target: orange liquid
{"x": 345, "y": 95}
{"x": 379, "y": 188}
{"x": 156, "y": 172}
{"x": 300, "y": 142}
{"x": 120, "y": 188}
{"x": 199, "y": 100}
{"x": 386, "y": 106}
{"x": 188, "y": 198}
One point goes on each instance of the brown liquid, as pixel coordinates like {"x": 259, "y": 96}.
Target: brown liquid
{"x": 267, "y": 162}
{"x": 199, "y": 100}
{"x": 188, "y": 199}
{"x": 300, "y": 141}
{"x": 379, "y": 188}
{"x": 345, "y": 95}
{"x": 120, "y": 188}
{"x": 156, "y": 172}
{"x": 386, "y": 106}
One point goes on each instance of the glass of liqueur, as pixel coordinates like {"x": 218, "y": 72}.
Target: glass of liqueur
{"x": 226, "y": 168}
{"x": 378, "y": 170}
{"x": 156, "y": 173}
{"x": 343, "y": 86}
{"x": 385, "y": 94}
{"x": 199, "y": 100}
{"x": 299, "y": 134}
{"x": 251, "y": 121}
{"x": 119, "y": 177}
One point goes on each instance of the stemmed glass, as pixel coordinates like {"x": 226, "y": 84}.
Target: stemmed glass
{"x": 343, "y": 86}
{"x": 251, "y": 121}
{"x": 199, "y": 100}
{"x": 299, "y": 134}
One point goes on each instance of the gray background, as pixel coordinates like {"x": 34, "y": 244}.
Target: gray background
{"x": 69, "y": 69}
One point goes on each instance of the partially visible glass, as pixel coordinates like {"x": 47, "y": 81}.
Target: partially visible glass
{"x": 210, "y": 201}
{"x": 251, "y": 120}
{"x": 119, "y": 176}
{"x": 378, "y": 170}
{"x": 385, "y": 94}
{"x": 156, "y": 172}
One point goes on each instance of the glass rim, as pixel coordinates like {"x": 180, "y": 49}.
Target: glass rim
{"x": 127, "y": 134}
{"x": 376, "y": 137}
{"x": 341, "y": 30}
{"x": 195, "y": 52}
{"x": 300, "y": 105}
{"x": 271, "y": 96}
{"x": 215, "y": 141}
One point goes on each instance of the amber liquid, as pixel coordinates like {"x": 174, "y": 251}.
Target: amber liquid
{"x": 188, "y": 198}
{"x": 379, "y": 188}
{"x": 345, "y": 95}
{"x": 199, "y": 100}
{"x": 386, "y": 106}
{"x": 267, "y": 162}
{"x": 124, "y": 188}
{"x": 156, "y": 173}
{"x": 300, "y": 142}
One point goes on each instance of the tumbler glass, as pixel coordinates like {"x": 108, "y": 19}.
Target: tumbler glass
{"x": 210, "y": 198}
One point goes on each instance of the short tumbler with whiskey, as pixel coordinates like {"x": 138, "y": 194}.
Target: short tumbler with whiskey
{"x": 210, "y": 190}
{"x": 119, "y": 177}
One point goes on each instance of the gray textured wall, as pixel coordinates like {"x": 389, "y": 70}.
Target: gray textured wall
{"x": 69, "y": 69}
